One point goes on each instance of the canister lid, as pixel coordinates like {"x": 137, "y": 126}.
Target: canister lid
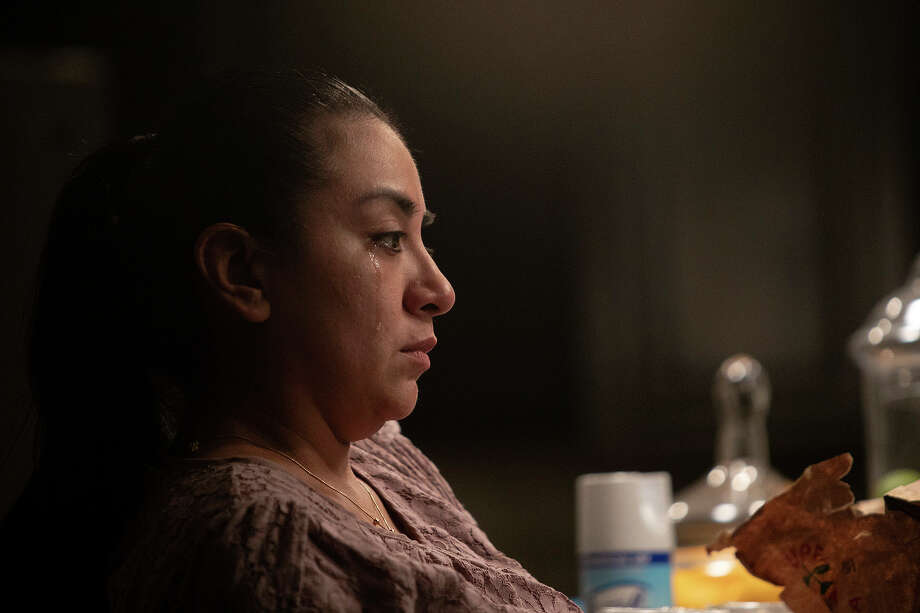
{"x": 893, "y": 326}
{"x": 623, "y": 511}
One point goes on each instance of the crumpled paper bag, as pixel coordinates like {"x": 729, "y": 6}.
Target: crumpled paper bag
{"x": 830, "y": 555}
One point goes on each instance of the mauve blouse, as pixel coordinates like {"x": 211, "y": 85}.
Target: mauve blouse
{"x": 243, "y": 534}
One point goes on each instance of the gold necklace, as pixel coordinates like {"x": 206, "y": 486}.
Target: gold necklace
{"x": 367, "y": 489}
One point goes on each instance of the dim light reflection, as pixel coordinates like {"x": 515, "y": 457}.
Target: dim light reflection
{"x": 741, "y": 482}
{"x": 719, "y": 568}
{"x": 736, "y": 371}
{"x": 678, "y": 510}
{"x": 912, "y": 314}
{"x": 724, "y": 512}
{"x": 717, "y": 476}
{"x": 875, "y": 335}
{"x": 893, "y": 308}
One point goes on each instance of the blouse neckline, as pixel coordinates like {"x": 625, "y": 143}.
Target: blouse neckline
{"x": 391, "y": 502}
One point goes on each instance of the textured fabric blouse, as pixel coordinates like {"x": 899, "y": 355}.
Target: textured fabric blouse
{"x": 243, "y": 534}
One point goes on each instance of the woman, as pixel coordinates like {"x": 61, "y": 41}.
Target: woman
{"x": 231, "y": 318}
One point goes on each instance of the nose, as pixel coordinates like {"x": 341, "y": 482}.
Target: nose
{"x": 430, "y": 293}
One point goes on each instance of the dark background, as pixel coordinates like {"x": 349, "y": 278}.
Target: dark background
{"x": 628, "y": 192}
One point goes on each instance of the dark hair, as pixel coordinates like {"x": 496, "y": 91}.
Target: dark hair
{"x": 118, "y": 326}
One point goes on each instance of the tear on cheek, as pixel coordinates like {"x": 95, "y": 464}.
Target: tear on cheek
{"x": 375, "y": 261}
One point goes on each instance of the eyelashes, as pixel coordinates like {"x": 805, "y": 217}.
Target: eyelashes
{"x": 389, "y": 240}
{"x": 392, "y": 241}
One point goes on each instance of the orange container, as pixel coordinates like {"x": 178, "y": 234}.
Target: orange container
{"x": 700, "y": 580}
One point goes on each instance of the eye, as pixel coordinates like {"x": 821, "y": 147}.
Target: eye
{"x": 389, "y": 240}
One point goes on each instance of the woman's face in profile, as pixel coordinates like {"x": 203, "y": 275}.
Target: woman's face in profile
{"x": 353, "y": 312}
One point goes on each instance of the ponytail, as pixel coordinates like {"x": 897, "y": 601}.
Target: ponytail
{"x": 101, "y": 424}
{"x": 89, "y": 329}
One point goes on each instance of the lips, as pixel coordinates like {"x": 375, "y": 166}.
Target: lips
{"x": 424, "y": 345}
{"x": 418, "y": 352}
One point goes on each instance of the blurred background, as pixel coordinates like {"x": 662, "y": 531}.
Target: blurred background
{"x": 627, "y": 193}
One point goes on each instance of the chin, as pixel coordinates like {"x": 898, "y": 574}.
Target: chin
{"x": 404, "y": 407}
{"x": 401, "y": 404}
{"x": 394, "y": 407}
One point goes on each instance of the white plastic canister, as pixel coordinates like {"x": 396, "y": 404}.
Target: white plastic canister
{"x": 624, "y": 539}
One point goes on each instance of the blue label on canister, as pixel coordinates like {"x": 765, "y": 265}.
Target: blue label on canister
{"x": 625, "y": 579}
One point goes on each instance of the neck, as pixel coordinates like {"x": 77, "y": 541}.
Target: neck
{"x": 743, "y": 435}
{"x": 291, "y": 425}
{"x": 316, "y": 447}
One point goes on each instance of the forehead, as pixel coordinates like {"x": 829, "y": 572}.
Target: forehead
{"x": 364, "y": 154}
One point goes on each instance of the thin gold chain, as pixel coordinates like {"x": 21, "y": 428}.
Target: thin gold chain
{"x": 367, "y": 488}
{"x": 374, "y": 500}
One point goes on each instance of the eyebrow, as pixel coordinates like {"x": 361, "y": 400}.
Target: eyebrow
{"x": 405, "y": 204}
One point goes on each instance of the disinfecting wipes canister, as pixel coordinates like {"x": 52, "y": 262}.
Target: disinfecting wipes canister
{"x": 624, "y": 539}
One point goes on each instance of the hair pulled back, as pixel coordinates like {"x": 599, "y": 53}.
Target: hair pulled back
{"x": 118, "y": 327}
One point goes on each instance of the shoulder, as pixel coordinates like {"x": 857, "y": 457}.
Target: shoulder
{"x": 235, "y": 535}
{"x": 212, "y": 496}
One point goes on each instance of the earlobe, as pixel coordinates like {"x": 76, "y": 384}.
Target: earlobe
{"x": 228, "y": 258}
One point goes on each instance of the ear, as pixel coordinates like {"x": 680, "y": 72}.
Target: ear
{"x": 230, "y": 260}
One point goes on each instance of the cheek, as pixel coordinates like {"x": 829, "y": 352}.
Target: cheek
{"x": 338, "y": 278}
{"x": 350, "y": 307}
{"x": 386, "y": 293}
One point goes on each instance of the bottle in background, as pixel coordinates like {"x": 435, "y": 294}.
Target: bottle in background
{"x": 887, "y": 351}
{"x": 730, "y": 492}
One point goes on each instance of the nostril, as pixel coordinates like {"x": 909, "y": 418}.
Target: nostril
{"x": 431, "y": 308}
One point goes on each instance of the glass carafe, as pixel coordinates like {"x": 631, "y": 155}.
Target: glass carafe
{"x": 731, "y": 491}
{"x": 887, "y": 351}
